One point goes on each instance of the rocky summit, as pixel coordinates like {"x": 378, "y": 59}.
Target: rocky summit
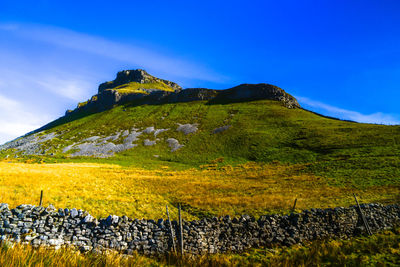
{"x": 137, "y": 85}
{"x": 138, "y": 76}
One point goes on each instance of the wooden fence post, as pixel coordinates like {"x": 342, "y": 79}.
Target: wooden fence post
{"x": 294, "y": 205}
{"x": 362, "y": 216}
{"x": 180, "y": 229}
{"x": 170, "y": 230}
{"x": 41, "y": 198}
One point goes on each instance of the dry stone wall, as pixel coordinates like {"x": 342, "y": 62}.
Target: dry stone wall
{"x": 50, "y": 227}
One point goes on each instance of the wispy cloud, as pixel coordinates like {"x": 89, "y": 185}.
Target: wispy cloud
{"x": 26, "y": 103}
{"x": 325, "y": 109}
{"x": 33, "y": 93}
{"x": 18, "y": 120}
{"x": 71, "y": 88}
{"x": 68, "y": 85}
{"x": 120, "y": 51}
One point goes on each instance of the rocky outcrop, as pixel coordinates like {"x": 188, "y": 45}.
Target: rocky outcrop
{"x": 30, "y": 144}
{"x": 192, "y": 94}
{"x": 64, "y": 227}
{"x": 250, "y": 92}
{"x": 108, "y": 96}
{"x": 139, "y": 76}
{"x": 99, "y": 146}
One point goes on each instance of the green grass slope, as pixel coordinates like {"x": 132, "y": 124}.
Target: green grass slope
{"x": 135, "y": 87}
{"x": 347, "y": 153}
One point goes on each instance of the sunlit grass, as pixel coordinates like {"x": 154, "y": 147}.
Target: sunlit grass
{"x": 135, "y": 87}
{"x": 12, "y": 255}
{"x": 104, "y": 189}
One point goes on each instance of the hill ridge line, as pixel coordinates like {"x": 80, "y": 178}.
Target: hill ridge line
{"x": 142, "y": 88}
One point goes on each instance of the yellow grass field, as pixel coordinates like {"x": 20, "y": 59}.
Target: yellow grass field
{"x": 104, "y": 189}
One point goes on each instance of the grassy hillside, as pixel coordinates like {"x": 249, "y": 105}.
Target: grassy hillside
{"x": 345, "y": 153}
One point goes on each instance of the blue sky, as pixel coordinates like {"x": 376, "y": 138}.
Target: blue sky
{"x": 339, "y": 58}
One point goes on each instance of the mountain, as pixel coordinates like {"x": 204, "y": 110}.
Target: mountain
{"x": 138, "y": 119}
{"x": 134, "y": 89}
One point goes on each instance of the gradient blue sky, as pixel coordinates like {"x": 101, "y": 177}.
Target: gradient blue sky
{"x": 339, "y": 58}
